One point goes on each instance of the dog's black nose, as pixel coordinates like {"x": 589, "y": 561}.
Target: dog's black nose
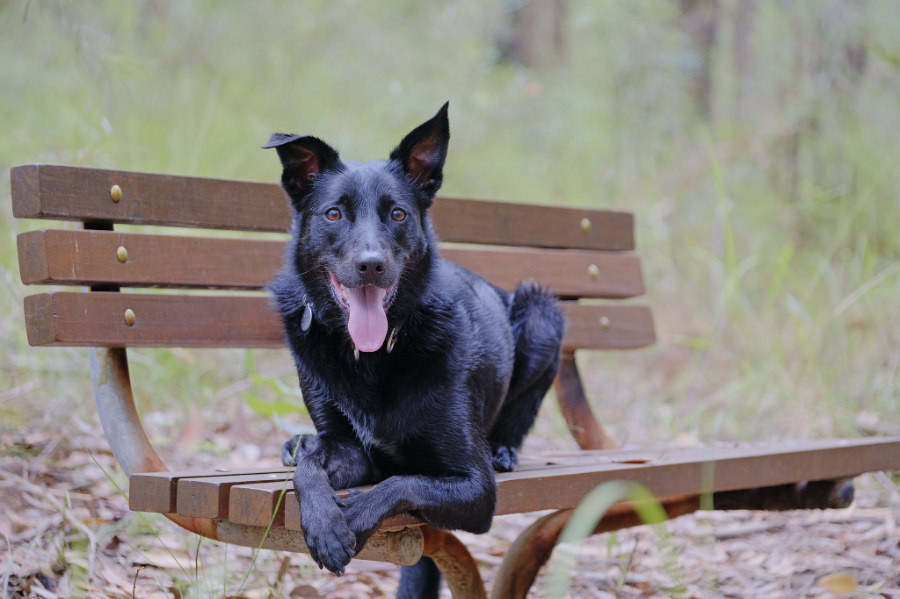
{"x": 370, "y": 264}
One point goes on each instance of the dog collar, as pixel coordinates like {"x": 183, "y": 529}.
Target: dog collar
{"x": 392, "y": 339}
{"x": 391, "y": 342}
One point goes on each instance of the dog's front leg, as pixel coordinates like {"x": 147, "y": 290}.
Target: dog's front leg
{"x": 464, "y": 501}
{"x": 346, "y": 464}
{"x": 330, "y": 541}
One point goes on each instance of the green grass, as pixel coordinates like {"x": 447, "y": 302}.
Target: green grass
{"x": 769, "y": 241}
{"x": 585, "y": 519}
{"x": 768, "y": 229}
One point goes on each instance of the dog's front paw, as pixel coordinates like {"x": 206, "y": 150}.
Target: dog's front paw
{"x": 359, "y": 517}
{"x": 297, "y": 447}
{"x": 504, "y": 458}
{"x": 330, "y": 541}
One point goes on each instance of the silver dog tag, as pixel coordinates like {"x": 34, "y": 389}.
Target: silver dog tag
{"x": 306, "y": 319}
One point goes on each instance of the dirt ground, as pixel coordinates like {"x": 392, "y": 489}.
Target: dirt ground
{"x": 67, "y": 531}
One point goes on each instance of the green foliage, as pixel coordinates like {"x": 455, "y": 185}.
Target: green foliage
{"x": 585, "y": 519}
{"x": 278, "y": 407}
{"x": 767, "y": 225}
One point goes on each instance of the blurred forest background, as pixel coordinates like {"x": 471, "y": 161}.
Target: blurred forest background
{"x": 756, "y": 141}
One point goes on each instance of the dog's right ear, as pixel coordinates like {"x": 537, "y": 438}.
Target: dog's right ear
{"x": 303, "y": 158}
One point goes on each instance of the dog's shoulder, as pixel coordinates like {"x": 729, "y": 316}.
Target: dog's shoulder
{"x": 461, "y": 285}
{"x": 461, "y": 306}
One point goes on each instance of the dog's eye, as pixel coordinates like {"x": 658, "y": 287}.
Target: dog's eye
{"x": 398, "y": 214}
{"x": 333, "y": 214}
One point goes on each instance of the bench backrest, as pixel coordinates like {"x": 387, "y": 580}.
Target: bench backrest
{"x": 215, "y": 279}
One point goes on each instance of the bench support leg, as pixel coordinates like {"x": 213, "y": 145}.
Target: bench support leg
{"x": 527, "y": 554}
{"x": 533, "y": 547}
{"x": 456, "y": 564}
{"x": 588, "y": 433}
{"x": 124, "y": 430}
{"x": 118, "y": 415}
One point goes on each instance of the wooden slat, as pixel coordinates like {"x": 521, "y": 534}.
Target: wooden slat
{"x": 98, "y": 320}
{"x": 701, "y": 470}
{"x": 157, "y": 491}
{"x": 83, "y": 194}
{"x": 255, "y": 504}
{"x": 207, "y": 497}
{"x": 607, "y": 326}
{"x": 81, "y": 257}
{"x": 469, "y": 221}
{"x": 558, "y": 482}
{"x": 569, "y": 273}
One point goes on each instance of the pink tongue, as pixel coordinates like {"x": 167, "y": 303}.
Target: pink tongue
{"x": 368, "y": 323}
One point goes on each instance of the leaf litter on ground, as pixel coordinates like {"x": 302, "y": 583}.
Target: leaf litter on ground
{"x": 70, "y": 533}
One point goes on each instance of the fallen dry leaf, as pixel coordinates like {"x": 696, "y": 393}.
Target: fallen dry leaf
{"x": 839, "y": 582}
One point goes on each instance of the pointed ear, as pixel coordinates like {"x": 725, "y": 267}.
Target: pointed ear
{"x": 423, "y": 151}
{"x": 303, "y": 159}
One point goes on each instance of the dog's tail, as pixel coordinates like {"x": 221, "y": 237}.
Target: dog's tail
{"x": 538, "y": 326}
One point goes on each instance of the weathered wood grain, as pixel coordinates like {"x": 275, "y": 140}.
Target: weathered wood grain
{"x": 83, "y": 194}
{"x": 98, "y": 319}
{"x": 80, "y": 257}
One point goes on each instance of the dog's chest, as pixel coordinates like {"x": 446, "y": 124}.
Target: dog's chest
{"x": 376, "y": 412}
{"x": 366, "y": 425}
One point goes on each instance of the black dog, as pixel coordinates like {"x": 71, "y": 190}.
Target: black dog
{"x": 418, "y": 374}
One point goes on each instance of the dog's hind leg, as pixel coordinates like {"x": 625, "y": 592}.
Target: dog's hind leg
{"x": 421, "y": 581}
{"x": 538, "y": 326}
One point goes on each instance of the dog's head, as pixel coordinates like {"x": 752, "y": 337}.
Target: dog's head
{"x": 361, "y": 228}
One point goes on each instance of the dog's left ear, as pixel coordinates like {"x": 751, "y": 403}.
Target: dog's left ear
{"x": 423, "y": 151}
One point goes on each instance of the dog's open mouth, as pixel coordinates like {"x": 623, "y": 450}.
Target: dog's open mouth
{"x": 366, "y": 312}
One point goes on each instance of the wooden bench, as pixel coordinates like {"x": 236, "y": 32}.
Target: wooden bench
{"x": 586, "y": 256}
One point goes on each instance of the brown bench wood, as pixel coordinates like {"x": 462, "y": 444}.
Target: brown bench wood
{"x": 159, "y": 490}
{"x": 86, "y": 195}
{"x": 559, "y": 484}
{"x": 78, "y": 257}
{"x": 67, "y": 318}
{"x": 213, "y": 245}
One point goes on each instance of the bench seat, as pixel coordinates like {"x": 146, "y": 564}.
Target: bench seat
{"x": 552, "y": 481}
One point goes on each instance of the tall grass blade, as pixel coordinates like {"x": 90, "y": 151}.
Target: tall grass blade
{"x": 585, "y": 519}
